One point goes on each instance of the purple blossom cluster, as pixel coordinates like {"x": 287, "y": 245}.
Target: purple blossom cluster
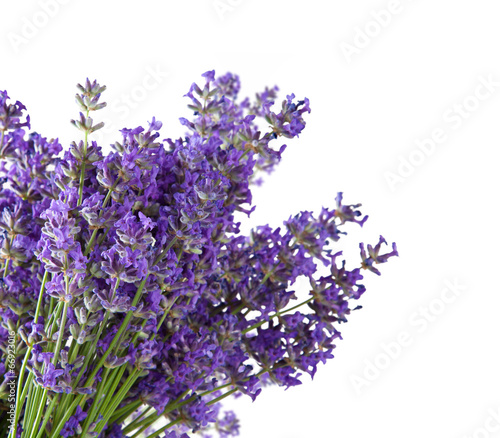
{"x": 132, "y": 293}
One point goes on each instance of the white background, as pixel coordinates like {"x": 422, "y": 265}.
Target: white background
{"x": 372, "y": 97}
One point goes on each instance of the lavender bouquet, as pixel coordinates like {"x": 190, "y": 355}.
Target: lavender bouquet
{"x": 130, "y": 305}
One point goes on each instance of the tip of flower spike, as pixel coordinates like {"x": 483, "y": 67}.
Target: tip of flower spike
{"x": 374, "y": 257}
{"x": 209, "y": 75}
{"x": 155, "y": 125}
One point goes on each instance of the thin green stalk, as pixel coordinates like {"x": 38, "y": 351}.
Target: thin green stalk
{"x": 107, "y": 386}
{"x": 36, "y": 409}
{"x": 165, "y": 314}
{"x": 54, "y": 317}
{"x": 104, "y": 203}
{"x": 95, "y": 403}
{"x": 7, "y": 260}
{"x": 142, "y": 429}
{"x": 22, "y": 393}
{"x": 115, "y": 390}
{"x": 223, "y": 396}
{"x": 61, "y": 408}
{"x": 58, "y": 427}
{"x": 178, "y": 404}
{"x": 27, "y": 410}
{"x": 27, "y": 385}
{"x": 82, "y": 173}
{"x": 40, "y": 296}
{"x": 101, "y": 239}
{"x": 51, "y": 306}
{"x": 137, "y": 334}
{"x": 237, "y": 309}
{"x": 243, "y": 305}
{"x": 143, "y": 414}
{"x": 118, "y": 334}
{"x": 268, "y": 274}
{"x": 47, "y": 416}
{"x": 74, "y": 348}
{"x": 173, "y": 423}
{"x": 277, "y": 314}
{"x": 41, "y": 404}
{"x": 118, "y": 398}
{"x": 146, "y": 422}
{"x": 91, "y": 242}
{"x": 91, "y": 349}
{"x": 89, "y": 353}
{"x": 120, "y": 415}
{"x": 162, "y": 254}
{"x": 61, "y": 333}
{"x": 163, "y": 429}
{"x": 6, "y": 269}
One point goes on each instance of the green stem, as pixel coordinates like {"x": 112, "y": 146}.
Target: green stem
{"x": 118, "y": 398}
{"x": 91, "y": 350}
{"x": 61, "y": 333}
{"x": 40, "y": 296}
{"x": 146, "y": 422}
{"x": 162, "y": 254}
{"x": 143, "y": 424}
{"x": 6, "y": 269}
{"x": 51, "y": 306}
{"x": 89, "y": 353}
{"x": 269, "y": 273}
{"x": 7, "y": 260}
{"x": 237, "y": 309}
{"x": 118, "y": 334}
{"x": 47, "y": 416}
{"x": 163, "y": 429}
{"x": 178, "y": 404}
{"x": 104, "y": 203}
{"x": 61, "y": 408}
{"x": 142, "y": 429}
{"x": 82, "y": 173}
{"x": 74, "y": 348}
{"x": 223, "y": 396}
{"x": 120, "y": 415}
{"x": 22, "y": 393}
{"x": 27, "y": 385}
{"x": 165, "y": 315}
{"x": 41, "y": 405}
{"x": 27, "y": 410}
{"x": 277, "y": 314}
{"x": 57, "y": 428}
{"x": 95, "y": 403}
